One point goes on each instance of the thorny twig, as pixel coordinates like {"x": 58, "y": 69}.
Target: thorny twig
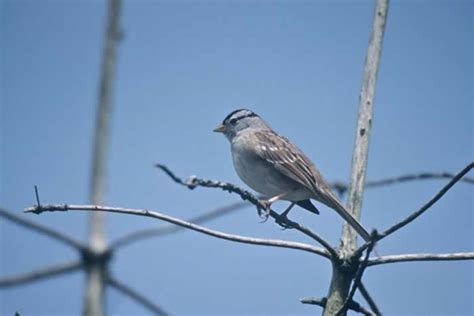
{"x": 193, "y": 182}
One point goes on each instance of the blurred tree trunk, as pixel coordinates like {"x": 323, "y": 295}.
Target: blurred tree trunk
{"x": 96, "y": 270}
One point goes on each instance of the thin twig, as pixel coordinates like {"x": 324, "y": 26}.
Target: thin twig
{"x": 125, "y": 289}
{"x": 170, "y": 229}
{"x": 42, "y": 229}
{"x": 193, "y": 182}
{"x": 422, "y": 209}
{"x": 42, "y": 273}
{"x": 314, "y": 301}
{"x": 357, "y": 278}
{"x": 356, "y": 307}
{"x": 425, "y": 207}
{"x": 176, "y": 221}
{"x": 37, "y": 195}
{"x": 422, "y": 257}
{"x": 368, "y": 298}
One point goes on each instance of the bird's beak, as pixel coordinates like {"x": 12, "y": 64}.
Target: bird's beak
{"x": 219, "y": 129}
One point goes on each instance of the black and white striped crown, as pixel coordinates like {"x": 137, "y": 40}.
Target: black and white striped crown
{"x": 237, "y": 115}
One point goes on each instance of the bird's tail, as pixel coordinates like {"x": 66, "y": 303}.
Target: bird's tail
{"x": 334, "y": 203}
{"x": 307, "y": 205}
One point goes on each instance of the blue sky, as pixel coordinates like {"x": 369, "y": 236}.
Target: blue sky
{"x": 182, "y": 66}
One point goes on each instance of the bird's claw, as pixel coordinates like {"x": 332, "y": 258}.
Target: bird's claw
{"x": 282, "y": 220}
{"x": 264, "y": 212}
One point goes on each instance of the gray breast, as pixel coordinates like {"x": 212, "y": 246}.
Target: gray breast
{"x": 259, "y": 174}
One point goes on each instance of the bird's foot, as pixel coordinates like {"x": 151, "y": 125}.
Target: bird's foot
{"x": 283, "y": 221}
{"x": 264, "y": 212}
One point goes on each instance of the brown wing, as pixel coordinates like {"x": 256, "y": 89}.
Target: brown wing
{"x": 292, "y": 162}
{"x": 287, "y": 159}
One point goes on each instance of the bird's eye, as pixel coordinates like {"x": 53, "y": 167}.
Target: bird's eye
{"x": 233, "y": 121}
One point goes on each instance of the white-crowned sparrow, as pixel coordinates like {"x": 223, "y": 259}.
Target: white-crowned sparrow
{"x": 273, "y": 166}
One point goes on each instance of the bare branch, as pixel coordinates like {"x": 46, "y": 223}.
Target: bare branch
{"x": 125, "y": 289}
{"x": 364, "y": 124}
{"x": 39, "y": 274}
{"x": 368, "y": 298}
{"x": 422, "y": 209}
{"x": 340, "y": 281}
{"x": 422, "y": 257}
{"x": 167, "y": 230}
{"x": 179, "y": 222}
{"x": 42, "y": 229}
{"x": 352, "y": 305}
{"x": 193, "y": 182}
{"x": 430, "y": 203}
{"x": 342, "y": 187}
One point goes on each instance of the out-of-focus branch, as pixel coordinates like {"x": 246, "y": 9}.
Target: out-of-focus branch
{"x": 95, "y": 274}
{"x": 422, "y": 209}
{"x": 193, "y": 182}
{"x": 342, "y": 187}
{"x": 368, "y": 298}
{"x": 167, "y": 230}
{"x": 39, "y": 274}
{"x": 422, "y": 257}
{"x": 356, "y": 307}
{"x": 179, "y": 222}
{"x": 125, "y": 289}
{"x": 42, "y": 229}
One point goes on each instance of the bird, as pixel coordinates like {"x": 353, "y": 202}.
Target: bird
{"x": 276, "y": 168}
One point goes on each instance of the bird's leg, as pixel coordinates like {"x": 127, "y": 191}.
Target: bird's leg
{"x": 288, "y": 209}
{"x": 268, "y": 203}
{"x": 284, "y": 216}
